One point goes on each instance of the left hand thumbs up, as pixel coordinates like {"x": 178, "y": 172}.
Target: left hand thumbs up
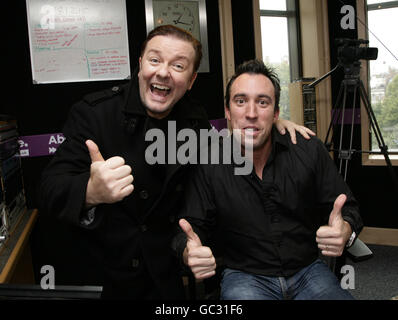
{"x": 335, "y": 218}
{"x": 332, "y": 238}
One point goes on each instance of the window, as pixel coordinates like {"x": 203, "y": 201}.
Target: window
{"x": 382, "y": 25}
{"x": 280, "y": 44}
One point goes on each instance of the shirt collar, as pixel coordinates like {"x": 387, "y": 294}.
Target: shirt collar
{"x": 279, "y": 140}
{"x": 279, "y": 143}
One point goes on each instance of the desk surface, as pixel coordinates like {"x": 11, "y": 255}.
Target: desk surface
{"x": 15, "y": 244}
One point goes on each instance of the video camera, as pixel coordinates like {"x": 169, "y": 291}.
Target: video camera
{"x": 349, "y": 50}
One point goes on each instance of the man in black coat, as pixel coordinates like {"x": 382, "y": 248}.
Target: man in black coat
{"x": 99, "y": 178}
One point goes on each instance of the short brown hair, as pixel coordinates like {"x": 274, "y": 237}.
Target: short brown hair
{"x": 170, "y": 30}
{"x": 255, "y": 67}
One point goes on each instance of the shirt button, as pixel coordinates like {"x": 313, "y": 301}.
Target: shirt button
{"x": 135, "y": 263}
{"x": 144, "y": 194}
{"x": 274, "y": 220}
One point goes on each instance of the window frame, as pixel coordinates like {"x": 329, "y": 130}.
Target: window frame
{"x": 293, "y": 26}
{"x": 314, "y": 51}
{"x": 369, "y": 158}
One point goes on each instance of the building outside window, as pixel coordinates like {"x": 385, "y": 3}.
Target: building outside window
{"x": 382, "y": 26}
{"x": 281, "y": 45}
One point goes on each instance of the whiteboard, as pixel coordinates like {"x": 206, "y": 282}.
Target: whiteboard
{"x": 78, "y": 40}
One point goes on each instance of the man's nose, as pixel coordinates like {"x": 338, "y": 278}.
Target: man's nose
{"x": 163, "y": 70}
{"x": 251, "y": 110}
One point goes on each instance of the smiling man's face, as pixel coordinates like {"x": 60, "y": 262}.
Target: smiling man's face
{"x": 252, "y": 109}
{"x": 166, "y": 73}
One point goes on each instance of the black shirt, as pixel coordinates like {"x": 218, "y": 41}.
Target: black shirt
{"x": 268, "y": 226}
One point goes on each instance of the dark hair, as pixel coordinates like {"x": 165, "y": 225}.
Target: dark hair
{"x": 255, "y": 67}
{"x": 170, "y": 30}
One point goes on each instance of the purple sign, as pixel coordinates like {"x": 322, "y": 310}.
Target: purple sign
{"x": 219, "y": 124}
{"x": 39, "y": 145}
{"x": 347, "y": 116}
{"x": 47, "y": 144}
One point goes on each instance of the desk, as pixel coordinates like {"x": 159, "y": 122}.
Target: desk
{"x": 15, "y": 257}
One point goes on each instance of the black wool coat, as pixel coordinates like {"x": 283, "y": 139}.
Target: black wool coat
{"x": 134, "y": 234}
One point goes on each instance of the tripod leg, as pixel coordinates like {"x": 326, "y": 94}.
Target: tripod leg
{"x": 336, "y": 115}
{"x": 342, "y": 128}
{"x": 372, "y": 118}
{"x": 354, "y": 106}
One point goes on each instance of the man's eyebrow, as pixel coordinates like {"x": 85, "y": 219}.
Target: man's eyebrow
{"x": 264, "y": 96}
{"x": 243, "y": 95}
{"x": 160, "y": 52}
{"x": 153, "y": 51}
{"x": 239, "y": 95}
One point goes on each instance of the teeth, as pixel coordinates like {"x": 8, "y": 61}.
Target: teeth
{"x": 159, "y": 87}
{"x": 251, "y": 129}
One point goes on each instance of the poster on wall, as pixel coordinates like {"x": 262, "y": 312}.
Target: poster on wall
{"x": 78, "y": 40}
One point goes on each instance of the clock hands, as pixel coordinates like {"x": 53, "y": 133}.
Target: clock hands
{"x": 188, "y": 24}
{"x": 177, "y": 21}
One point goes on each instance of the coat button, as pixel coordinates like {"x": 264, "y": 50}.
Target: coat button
{"x": 274, "y": 219}
{"x": 135, "y": 263}
{"x": 179, "y": 187}
{"x": 115, "y": 89}
{"x": 144, "y": 194}
{"x": 144, "y": 228}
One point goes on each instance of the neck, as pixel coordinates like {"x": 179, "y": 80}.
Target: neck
{"x": 260, "y": 157}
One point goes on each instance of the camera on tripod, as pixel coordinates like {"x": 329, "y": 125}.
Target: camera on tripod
{"x": 350, "y": 50}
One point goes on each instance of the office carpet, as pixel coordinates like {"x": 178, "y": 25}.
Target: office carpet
{"x": 377, "y": 277}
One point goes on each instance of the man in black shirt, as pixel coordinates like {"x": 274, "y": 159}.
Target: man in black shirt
{"x": 271, "y": 223}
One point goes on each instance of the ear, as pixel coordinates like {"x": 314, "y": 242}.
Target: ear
{"x": 195, "y": 74}
{"x": 276, "y": 115}
{"x": 227, "y": 113}
{"x": 139, "y": 62}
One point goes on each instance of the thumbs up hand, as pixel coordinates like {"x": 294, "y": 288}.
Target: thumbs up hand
{"x": 332, "y": 238}
{"x": 199, "y": 258}
{"x": 110, "y": 181}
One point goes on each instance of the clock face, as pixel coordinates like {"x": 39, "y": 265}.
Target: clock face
{"x": 183, "y": 14}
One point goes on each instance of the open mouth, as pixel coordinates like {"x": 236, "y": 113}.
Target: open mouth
{"x": 160, "y": 90}
{"x": 251, "y": 130}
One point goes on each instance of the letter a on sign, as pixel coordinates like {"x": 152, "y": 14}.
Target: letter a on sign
{"x": 348, "y": 21}
{"x": 48, "y": 280}
{"x": 348, "y": 280}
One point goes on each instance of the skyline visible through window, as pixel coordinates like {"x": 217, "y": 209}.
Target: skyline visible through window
{"x": 383, "y": 72}
{"x": 275, "y": 46}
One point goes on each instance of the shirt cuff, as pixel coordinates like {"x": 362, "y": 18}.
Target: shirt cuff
{"x": 88, "y": 217}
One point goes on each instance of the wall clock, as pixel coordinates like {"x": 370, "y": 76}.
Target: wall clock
{"x": 186, "y": 14}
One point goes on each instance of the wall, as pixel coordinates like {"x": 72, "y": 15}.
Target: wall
{"x": 243, "y": 28}
{"x": 315, "y": 56}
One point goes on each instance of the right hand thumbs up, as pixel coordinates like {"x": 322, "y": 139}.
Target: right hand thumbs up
{"x": 110, "y": 181}
{"x": 198, "y": 257}
{"x": 95, "y": 154}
